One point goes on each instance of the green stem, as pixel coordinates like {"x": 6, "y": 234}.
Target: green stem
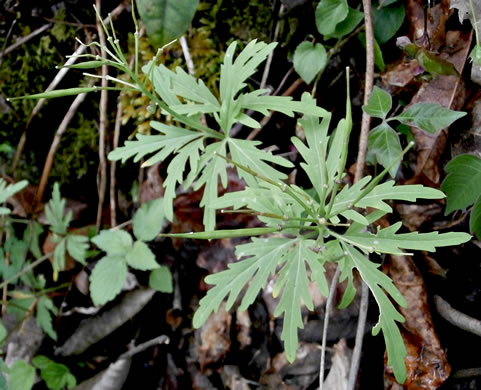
{"x": 29, "y": 267}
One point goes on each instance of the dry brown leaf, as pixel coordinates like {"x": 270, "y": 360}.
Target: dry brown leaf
{"x": 152, "y": 186}
{"x": 338, "y": 376}
{"x": 426, "y": 363}
{"x": 448, "y": 91}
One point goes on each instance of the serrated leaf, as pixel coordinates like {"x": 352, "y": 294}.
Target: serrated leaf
{"x": 166, "y": 20}
{"x": 54, "y": 211}
{"x": 107, "y": 279}
{"x": 160, "y": 279}
{"x": 77, "y": 247}
{"x": 6, "y": 191}
{"x": 309, "y": 59}
{"x": 31, "y": 235}
{"x": 475, "y": 219}
{"x": 141, "y": 257}
{"x": 388, "y": 191}
{"x": 353, "y": 18}
{"x": 462, "y": 185}
{"x": 21, "y": 376}
{"x": 379, "y": 103}
{"x": 292, "y": 286}
{"x": 56, "y": 376}
{"x": 389, "y": 241}
{"x": 175, "y": 173}
{"x": 246, "y": 152}
{"x": 378, "y": 283}
{"x": 387, "y": 21}
{"x": 257, "y": 101}
{"x": 172, "y": 140}
{"x": 329, "y": 13}
{"x": 263, "y": 257}
{"x": 214, "y": 168}
{"x": 430, "y": 117}
{"x": 383, "y": 142}
{"x": 113, "y": 241}
{"x": 45, "y": 310}
{"x": 148, "y": 220}
{"x": 59, "y": 257}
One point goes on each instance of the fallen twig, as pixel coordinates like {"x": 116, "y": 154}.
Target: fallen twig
{"x": 457, "y": 318}
{"x": 113, "y": 165}
{"x": 21, "y": 41}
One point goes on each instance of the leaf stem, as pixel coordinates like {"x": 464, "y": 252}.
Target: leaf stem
{"x": 26, "y": 269}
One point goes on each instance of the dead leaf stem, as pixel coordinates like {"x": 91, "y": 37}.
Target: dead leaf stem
{"x": 457, "y": 318}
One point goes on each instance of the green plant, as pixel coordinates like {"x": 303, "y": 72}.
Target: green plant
{"x": 311, "y": 226}
{"x": 462, "y": 186}
{"x": 384, "y": 143}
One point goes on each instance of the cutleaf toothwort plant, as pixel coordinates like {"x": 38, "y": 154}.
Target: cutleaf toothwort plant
{"x": 307, "y": 223}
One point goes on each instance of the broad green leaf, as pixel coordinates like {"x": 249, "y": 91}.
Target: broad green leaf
{"x": 354, "y": 17}
{"x": 166, "y": 20}
{"x": 379, "y": 283}
{"x": 141, "y": 257}
{"x": 434, "y": 64}
{"x": 56, "y": 376}
{"x": 148, "y": 220}
{"x": 329, "y": 13}
{"x": 430, "y": 117}
{"x": 77, "y": 246}
{"x": 475, "y": 55}
{"x": 264, "y": 103}
{"x": 388, "y": 241}
{"x": 6, "y": 191}
{"x": 263, "y": 257}
{"x": 107, "y": 279}
{"x": 55, "y": 212}
{"x": 475, "y": 219}
{"x": 379, "y": 103}
{"x": 247, "y": 153}
{"x": 462, "y": 185}
{"x": 171, "y": 140}
{"x": 45, "y": 311}
{"x": 309, "y": 60}
{"x": 387, "y": 21}
{"x": 21, "y": 376}
{"x": 160, "y": 279}
{"x": 293, "y": 288}
{"x": 213, "y": 168}
{"x": 388, "y": 191}
{"x": 383, "y": 142}
{"x": 113, "y": 241}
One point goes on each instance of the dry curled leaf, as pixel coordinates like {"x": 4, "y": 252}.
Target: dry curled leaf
{"x": 426, "y": 363}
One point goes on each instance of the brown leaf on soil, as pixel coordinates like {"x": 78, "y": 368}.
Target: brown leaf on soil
{"x": 232, "y": 378}
{"x": 426, "y": 363}
{"x": 414, "y": 215}
{"x": 338, "y": 376}
{"x": 448, "y": 91}
{"x": 213, "y": 339}
{"x": 437, "y": 17}
{"x": 152, "y": 186}
{"x": 401, "y": 74}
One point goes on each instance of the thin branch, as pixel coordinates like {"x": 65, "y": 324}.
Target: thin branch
{"x": 187, "y": 56}
{"x": 267, "y": 68}
{"x": 47, "y": 167}
{"x": 102, "y": 180}
{"x": 113, "y": 165}
{"x": 2, "y": 53}
{"x": 456, "y": 318}
{"x": 21, "y": 41}
{"x": 366, "y": 119}
{"x": 57, "y": 79}
{"x": 142, "y": 347}
{"x": 329, "y": 305}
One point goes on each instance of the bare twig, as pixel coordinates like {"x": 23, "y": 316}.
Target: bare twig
{"x": 361, "y": 326}
{"x": 187, "y": 56}
{"x": 329, "y": 305}
{"x": 21, "y": 41}
{"x": 2, "y": 53}
{"x": 366, "y": 119}
{"x": 57, "y": 79}
{"x": 457, "y": 318}
{"x": 102, "y": 180}
{"x": 142, "y": 347}
{"x": 47, "y": 167}
{"x": 113, "y": 202}
{"x": 267, "y": 68}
